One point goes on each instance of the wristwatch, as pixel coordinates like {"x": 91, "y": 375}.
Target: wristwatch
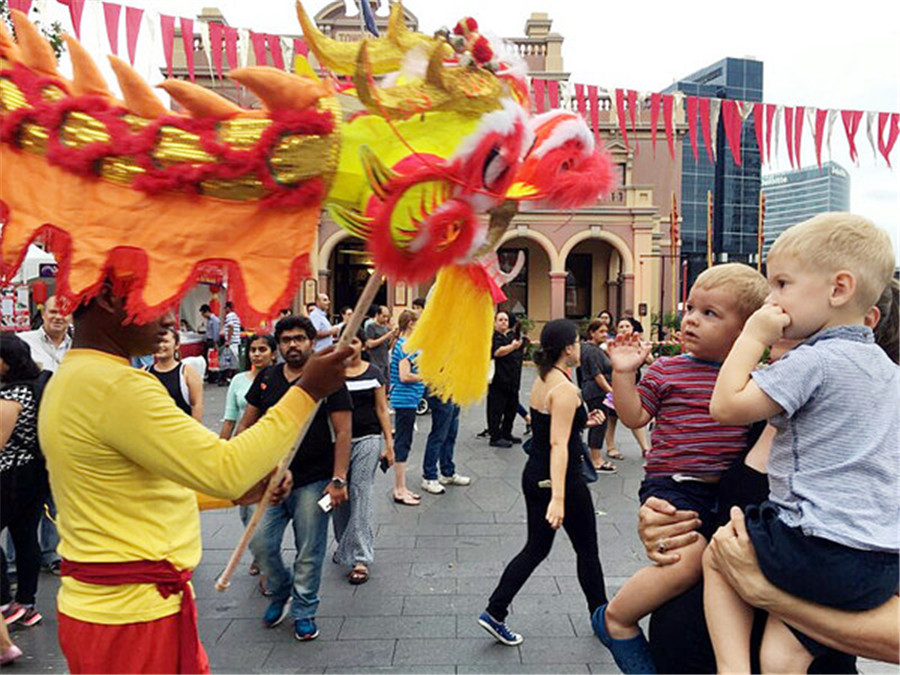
{"x": 339, "y": 482}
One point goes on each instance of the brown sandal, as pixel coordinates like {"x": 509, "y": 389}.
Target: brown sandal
{"x": 613, "y": 453}
{"x": 358, "y": 575}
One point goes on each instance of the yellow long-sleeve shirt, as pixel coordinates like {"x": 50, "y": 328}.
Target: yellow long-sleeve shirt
{"x": 124, "y": 462}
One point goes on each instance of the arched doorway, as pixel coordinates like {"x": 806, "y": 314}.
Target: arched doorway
{"x": 593, "y": 279}
{"x": 528, "y": 294}
{"x": 351, "y": 266}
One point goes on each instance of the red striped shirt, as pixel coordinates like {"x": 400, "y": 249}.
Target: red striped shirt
{"x": 676, "y": 390}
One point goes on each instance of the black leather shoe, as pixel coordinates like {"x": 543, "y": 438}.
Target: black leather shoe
{"x": 514, "y": 439}
{"x": 500, "y": 443}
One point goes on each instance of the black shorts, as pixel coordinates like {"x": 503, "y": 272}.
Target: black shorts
{"x": 819, "y": 570}
{"x": 690, "y": 495}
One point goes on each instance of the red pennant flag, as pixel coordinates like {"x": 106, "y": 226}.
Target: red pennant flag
{"x": 851, "y": 119}
{"x": 259, "y": 47}
{"x": 580, "y": 101}
{"x": 758, "y": 130}
{"x": 167, "y": 25}
{"x": 731, "y": 120}
{"x": 655, "y": 100}
{"x": 770, "y": 117}
{"x": 275, "y": 50}
{"x": 231, "y": 40}
{"x": 632, "y": 110}
{"x": 24, "y": 6}
{"x": 819, "y": 133}
{"x": 553, "y": 87}
{"x": 76, "y": 8}
{"x": 789, "y": 136}
{"x": 133, "y": 17}
{"x": 300, "y": 47}
{"x": 799, "y": 114}
{"x": 215, "y": 43}
{"x": 111, "y": 14}
{"x": 538, "y": 86}
{"x": 893, "y": 133}
{"x": 668, "y": 108}
{"x": 704, "y": 129}
{"x": 595, "y": 111}
{"x": 620, "y": 113}
{"x": 691, "y": 112}
{"x": 187, "y": 39}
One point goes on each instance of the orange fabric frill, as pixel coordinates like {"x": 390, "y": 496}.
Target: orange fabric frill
{"x": 157, "y": 245}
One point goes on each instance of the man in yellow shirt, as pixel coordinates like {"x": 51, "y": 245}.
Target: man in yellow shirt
{"x": 124, "y": 463}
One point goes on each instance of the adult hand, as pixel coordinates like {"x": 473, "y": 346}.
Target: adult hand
{"x": 767, "y": 324}
{"x": 663, "y": 530}
{"x": 627, "y": 353}
{"x": 254, "y": 494}
{"x": 283, "y": 489}
{"x": 734, "y": 556}
{"x": 338, "y": 495}
{"x": 555, "y": 512}
{"x": 389, "y": 453}
{"x": 323, "y": 373}
{"x": 595, "y": 418}
{"x": 516, "y": 344}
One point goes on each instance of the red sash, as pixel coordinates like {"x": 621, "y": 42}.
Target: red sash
{"x": 168, "y": 580}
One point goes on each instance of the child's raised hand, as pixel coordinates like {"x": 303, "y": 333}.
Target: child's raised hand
{"x": 627, "y": 353}
{"x": 767, "y": 324}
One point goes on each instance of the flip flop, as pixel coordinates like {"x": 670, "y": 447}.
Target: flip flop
{"x": 605, "y": 467}
{"x": 614, "y": 454}
{"x": 407, "y": 500}
{"x": 358, "y": 575}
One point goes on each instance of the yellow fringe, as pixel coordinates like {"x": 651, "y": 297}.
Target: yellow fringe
{"x": 453, "y": 336}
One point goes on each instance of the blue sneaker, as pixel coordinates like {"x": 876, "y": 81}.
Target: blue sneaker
{"x": 499, "y": 630}
{"x": 305, "y": 629}
{"x": 632, "y": 655}
{"x": 276, "y": 612}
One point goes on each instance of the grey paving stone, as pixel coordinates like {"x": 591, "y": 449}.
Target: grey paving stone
{"x": 443, "y": 604}
{"x": 339, "y": 653}
{"x": 418, "y": 529}
{"x": 239, "y": 658}
{"x": 252, "y": 630}
{"x": 389, "y": 556}
{"x": 391, "y": 627}
{"x": 453, "y": 651}
{"x": 361, "y": 606}
{"x": 388, "y": 584}
{"x": 529, "y": 668}
{"x": 486, "y": 585}
{"x": 540, "y": 650}
{"x": 395, "y": 670}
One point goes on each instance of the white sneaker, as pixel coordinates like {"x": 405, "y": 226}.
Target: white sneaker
{"x": 432, "y": 486}
{"x": 455, "y": 479}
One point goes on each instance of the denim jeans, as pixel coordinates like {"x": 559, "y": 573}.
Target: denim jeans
{"x": 310, "y": 538}
{"x": 441, "y": 439}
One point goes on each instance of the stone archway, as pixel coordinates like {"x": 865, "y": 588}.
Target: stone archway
{"x": 613, "y": 289}
{"x": 528, "y": 294}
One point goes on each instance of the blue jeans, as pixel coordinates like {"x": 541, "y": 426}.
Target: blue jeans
{"x": 310, "y": 538}
{"x": 441, "y": 439}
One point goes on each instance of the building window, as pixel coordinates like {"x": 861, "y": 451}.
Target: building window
{"x": 578, "y": 286}
{"x": 516, "y": 290}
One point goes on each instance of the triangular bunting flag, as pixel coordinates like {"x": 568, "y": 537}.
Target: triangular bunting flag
{"x": 870, "y": 131}
{"x": 553, "y": 87}
{"x": 620, "y": 115}
{"x": 798, "y": 133}
{"x": 715, "y": 107}
{"x": 539, "y": 101}
{"x": 595, "y": 111}
{"x": 889, "y": 121}
{"x": 133, "y": 16}
{"x": 851, "y": 120}
{"x": 580, "y": 101}
{"x": 203, "y": 29}
{"x": 655, "y": 100}
{"x": 23, "y": 6}
{"x": 187, "y": 39}
{"x": 300, "y": 47}
{"x": 819, "y": 133}
{"x": 111, "y": 13}
{"x": 275, "y": 51}
{"x": 832, "y": 116}
{"x": 243, "y": 47}
{"x": 731, "y": 121}
{"x": 215, "y": 45}
{"x": 167, "y": 26}
{"x": 632, "y": 111}
{"x": 789, "y": 133}
{"x": 76, "y": 9}
{"x": 230, "y": 34}
{"x": 691, "y": 103}
{"x": 668, "y": 101}
{"x": 770, "y": 118}
{"x": 758, "y": 129}
{"x": 259, "y": 47}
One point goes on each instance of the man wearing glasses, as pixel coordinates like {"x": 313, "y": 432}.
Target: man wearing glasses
{"x": 319, "y": 468}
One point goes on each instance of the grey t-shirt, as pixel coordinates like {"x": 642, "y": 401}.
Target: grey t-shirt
{"x": 379, "y": 356}
{"x": 593, "y": 361}
{"x": 833, "y": 465}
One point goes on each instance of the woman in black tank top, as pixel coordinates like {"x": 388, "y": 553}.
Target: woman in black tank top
{"x": 552, "y": 483}
{"x": 181, "y": 381}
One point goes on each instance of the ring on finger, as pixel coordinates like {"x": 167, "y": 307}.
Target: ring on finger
{"x": 661, "y": 546}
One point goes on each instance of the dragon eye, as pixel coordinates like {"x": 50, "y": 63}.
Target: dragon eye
{"x": 495, "y": 168}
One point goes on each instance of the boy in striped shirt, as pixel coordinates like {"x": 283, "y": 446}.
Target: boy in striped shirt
{"x": 689, "y": 450}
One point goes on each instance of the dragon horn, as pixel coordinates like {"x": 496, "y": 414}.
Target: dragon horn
{"x": 139, "y": 97}
{"x": 434, "y": 73}
{"x": 279, "y": 90}
{"x": 86, "y": 78}
{"x": 36, "y": 52}
{"x": 199, "y": 101}
{"x": 399, "y": 34}
{"x": 8, "y": 48}
{"x": 340, "y": 57}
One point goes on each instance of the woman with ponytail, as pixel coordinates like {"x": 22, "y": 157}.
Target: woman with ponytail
{"x": 552, "y": 482}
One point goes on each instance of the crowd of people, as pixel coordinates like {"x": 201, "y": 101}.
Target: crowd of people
{"x": 774, "y": 546}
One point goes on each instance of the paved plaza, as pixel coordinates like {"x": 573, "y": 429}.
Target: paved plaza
{"x": 435, "y": 566}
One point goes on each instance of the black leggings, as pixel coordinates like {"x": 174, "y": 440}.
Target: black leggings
{"x": 579, "y": 523}
{"x": 22, "y": 493}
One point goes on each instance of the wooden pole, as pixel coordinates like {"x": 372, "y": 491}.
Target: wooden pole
{"x": 759, "y": 230}
{"x": 359, "y": 313}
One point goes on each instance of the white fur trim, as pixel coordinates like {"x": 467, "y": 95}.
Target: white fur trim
{"x": 574, "y": 128}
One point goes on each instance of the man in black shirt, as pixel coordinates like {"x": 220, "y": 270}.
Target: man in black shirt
{"x": 503, "y": 393}
{"x": 319, "y": 468}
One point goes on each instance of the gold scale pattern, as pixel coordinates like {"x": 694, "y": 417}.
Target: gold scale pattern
{"x": 294, "y": 158}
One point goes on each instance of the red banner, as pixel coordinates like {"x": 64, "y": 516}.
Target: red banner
{"x": 275, "y": 50}
{"x": 731, "y": 120}
{"x": 758, "y": 111}
{"x": 538, "y": 86}
{"x": 851, "y": 119}
{"x": 553, "y": 87}
{"x": 76, "y": 8}
{"x": 620, "y": 114}
{"x": 632, "y": 111}
{"x": 167, "y": 26}
{"x": 668, "y": 105}
{"x": 111, "y": 15}
{"x": 704, "y": 129}
{"x": 771, "y": 108}
{"x": 133, "y": 17}
{"x": 23, "y": 6}
{"x": 819, "y": 133}
{"x": 655, "y": 100}
{"x": 789, "y": 135}
{"x": 187, "y": 39}
{"x": 300, "y": 47}
{"x": 259, "y": 47}
{"x": 799, "y": 114}
{"x": 595, "y": 111}
{"x": 580, "y": 100}
{"x": 215, "y": 45}
{"x": 892, "y": 123}
{"x": 231, "y": 40}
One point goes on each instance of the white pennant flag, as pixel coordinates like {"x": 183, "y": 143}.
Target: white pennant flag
{"x": 243, "y": 46}
{"x": 287, "y": 53}
{"x": 677, "y": 105}
{"x": 203, "y": 27}
{"x": 776, "y": 120}
{"x": 870, "y": 132}
{"x": 832, "y": 116}
{"x": 715, "y": 107}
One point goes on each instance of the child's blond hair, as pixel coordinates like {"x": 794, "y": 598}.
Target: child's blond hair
{"x": 748, "y": 287}
{"x": 837, "y": 241}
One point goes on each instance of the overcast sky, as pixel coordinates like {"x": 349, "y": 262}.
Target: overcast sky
{"x": 844, "y": 58}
